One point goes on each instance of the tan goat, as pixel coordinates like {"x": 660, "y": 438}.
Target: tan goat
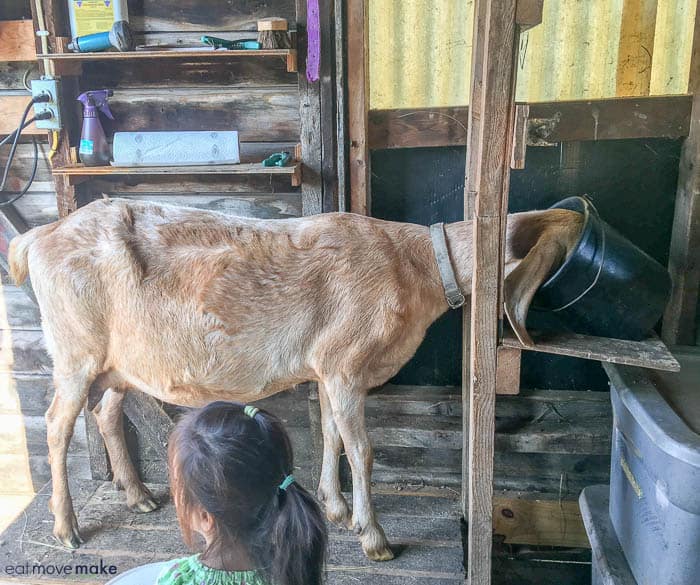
{"x": 193, "y": 306}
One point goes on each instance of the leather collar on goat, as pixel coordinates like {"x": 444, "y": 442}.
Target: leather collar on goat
{"x": 453, "y": 294}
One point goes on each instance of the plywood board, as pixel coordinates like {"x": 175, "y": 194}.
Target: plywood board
{"x": 17, "y": 40}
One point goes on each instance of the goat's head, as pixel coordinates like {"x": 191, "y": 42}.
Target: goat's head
{"x": 539, "y": 242}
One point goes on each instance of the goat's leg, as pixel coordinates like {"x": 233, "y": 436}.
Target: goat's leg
{"x": 349, "y": 414}
{"x": 71, "y": 395}
{"x": 109, "y": 417}
{"x": 337, "y": 510}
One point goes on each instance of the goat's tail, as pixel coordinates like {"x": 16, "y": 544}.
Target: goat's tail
{"x": 17, "y": 256}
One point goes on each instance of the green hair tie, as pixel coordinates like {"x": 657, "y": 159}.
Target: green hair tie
{"x": 251, "y": 411}
{"x": 289, "y": 480}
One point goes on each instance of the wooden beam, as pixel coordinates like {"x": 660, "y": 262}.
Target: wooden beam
{"x": 11, "y": 109}
{"x": 17, "y": 40}
{"x": 328, "y": 101}
{"x": 310, "y": 125}
{"x": 604, "y": 119}
{"x": 53, "y": 22}
{"x": 358, "y": 105}
{"x": 341, "y": 105}
{"x": 636, "y": 47}
{"x": 528, "y": 13}
{"x": 150, "y": 420}
{"x": 508, "y": 371}
{"x": 490, "y": 135}
{"x": 679, "y": 324}
{"x": 520, "y": 131}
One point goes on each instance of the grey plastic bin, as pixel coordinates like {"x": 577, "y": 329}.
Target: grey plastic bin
{"x": 608, "y": 563}
{"x": 655, "y": 470}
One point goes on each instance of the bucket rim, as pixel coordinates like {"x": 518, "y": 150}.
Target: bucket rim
{"x": 588, "y": 211}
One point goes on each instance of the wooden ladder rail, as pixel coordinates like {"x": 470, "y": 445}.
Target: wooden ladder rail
{"x": 489, "y": 145}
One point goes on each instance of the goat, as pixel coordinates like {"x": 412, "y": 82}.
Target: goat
{"x": 193, "y": 306}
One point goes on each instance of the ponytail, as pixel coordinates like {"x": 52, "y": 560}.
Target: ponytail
{"x": 234, "y": 461}
{"x": 298, "y": 539}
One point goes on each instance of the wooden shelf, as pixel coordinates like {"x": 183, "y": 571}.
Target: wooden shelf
{"x": 649, "y": 353}
{"x": 79, "y": 173}
{"x": 204, "y": 53}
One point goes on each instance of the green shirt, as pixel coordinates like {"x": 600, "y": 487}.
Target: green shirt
{"x": 191, "y": 571}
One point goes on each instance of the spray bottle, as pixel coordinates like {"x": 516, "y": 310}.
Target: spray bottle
{"x": 94, "y": 149}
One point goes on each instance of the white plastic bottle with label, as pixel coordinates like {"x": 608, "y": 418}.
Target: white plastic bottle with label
{"x": 94, "y": 16}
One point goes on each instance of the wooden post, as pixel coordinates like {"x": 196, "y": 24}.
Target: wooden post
{"x": 66, "y": 199}
{"x": 679, "y": 326}
{"x": 340, "y": 104}
{"x": 491, "y": 114}
{"x": 329, "y": 103}
{"x": 358, "y": 104}
{"x": 310, "y": 121}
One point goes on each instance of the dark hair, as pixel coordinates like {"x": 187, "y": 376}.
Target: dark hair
{"x": 232, "y": 465}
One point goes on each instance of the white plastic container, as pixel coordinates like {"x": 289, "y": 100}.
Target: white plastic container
{"x": 94, "y": 16}
{"x": 155, "y": 149}
{"x": 608, "y": 563}
{"x": 655, "y": 470}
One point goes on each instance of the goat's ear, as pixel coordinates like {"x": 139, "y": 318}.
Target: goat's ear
{"x": 522, "y": 283}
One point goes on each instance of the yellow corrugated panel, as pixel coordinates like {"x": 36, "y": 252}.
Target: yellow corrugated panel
{"x": 420, "y": 51}
{"x": 572, "y": 54}
{"x": 672, "y": 46}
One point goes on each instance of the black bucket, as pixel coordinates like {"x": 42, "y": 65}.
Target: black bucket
{"x": 607, "y": 286}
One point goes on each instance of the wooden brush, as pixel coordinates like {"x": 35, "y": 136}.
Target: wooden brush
{"x": 273, "y": 33}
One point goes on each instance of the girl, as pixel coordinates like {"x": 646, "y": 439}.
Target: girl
{"x": 230, "y": 470}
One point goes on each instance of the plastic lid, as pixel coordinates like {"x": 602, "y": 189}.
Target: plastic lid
{"x": 682, "y": 389}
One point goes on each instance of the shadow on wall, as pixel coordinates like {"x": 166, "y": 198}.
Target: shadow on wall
{"x": 632, "y": 182}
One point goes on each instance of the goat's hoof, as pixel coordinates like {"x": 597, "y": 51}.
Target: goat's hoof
{"x": 145, "y": 505}
{"x": 69, "y": 538}
{"x": 375, "y": 544}
{"x": 380, "y": 554}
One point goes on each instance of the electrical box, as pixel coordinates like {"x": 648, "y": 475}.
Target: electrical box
{"x": 50, "y": 87}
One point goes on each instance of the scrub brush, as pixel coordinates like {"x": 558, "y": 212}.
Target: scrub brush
{"x": 273, "y": 33}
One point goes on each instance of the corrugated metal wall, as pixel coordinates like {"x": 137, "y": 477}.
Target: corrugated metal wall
{"x": 420, "y": 51}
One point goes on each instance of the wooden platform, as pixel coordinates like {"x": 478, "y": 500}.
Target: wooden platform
{"x": 423, "y": 526}
{"x": 424, "y": 529}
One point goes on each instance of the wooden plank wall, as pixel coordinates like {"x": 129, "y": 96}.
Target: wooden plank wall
{"x": 256, "y": 97}
{"x": 259, "y": 98}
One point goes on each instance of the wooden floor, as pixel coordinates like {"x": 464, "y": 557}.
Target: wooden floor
{"x": 423, "y": 528}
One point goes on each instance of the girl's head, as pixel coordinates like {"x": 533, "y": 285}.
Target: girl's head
{"x": 228, "y": 466}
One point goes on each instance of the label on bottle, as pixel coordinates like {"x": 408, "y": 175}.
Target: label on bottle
{"x": 86, "y": 146}
{"x": 91, "y": 16}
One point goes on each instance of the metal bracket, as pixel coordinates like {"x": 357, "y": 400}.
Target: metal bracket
{"x": 540, "y": 129}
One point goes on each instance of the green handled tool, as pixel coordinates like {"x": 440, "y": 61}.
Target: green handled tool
{"x": 279, "y": 159}
{"x": 240, "y": 45}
